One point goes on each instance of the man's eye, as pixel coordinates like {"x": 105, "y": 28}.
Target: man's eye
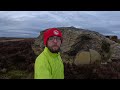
{"x": 50, "y": 38}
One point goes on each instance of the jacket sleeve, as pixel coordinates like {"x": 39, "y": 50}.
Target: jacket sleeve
{"x": 42, "y": 69}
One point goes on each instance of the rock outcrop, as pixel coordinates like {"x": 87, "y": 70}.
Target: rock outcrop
{"x": 114, "y": 38}
{"x": 86, "y": 54}
{"x": 78, "y": 43}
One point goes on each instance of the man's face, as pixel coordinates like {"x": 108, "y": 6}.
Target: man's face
{"x": 54, "y": 44}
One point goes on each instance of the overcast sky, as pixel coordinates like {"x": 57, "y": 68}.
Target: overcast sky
{"x": 30, "y": 23}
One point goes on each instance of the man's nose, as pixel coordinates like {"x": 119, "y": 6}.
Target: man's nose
{"x": 54, "y": 40}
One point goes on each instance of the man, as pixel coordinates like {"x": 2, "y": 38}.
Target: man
{"x": 48, "y": 64}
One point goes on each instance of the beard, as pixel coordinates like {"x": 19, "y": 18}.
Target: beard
{"x": 54, "y": 50}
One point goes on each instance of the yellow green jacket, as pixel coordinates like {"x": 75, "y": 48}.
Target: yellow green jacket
{"x": 48, "y": 66}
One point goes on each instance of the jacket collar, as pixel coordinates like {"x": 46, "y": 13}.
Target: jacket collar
{"x": 46, "y": 50}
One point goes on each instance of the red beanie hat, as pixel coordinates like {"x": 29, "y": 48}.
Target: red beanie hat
{"x": 51, "y": 32}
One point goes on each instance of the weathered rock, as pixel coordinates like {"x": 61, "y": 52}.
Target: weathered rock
{"x": 76, "y": 40}
{"x": 94, "y": 56}
{"x": 82, "y": 58}
{"x": 115, "y": 51}
{"x": 114, "y": 38}
{"x": 87, "y": 57}
{"x": 4, "y": 70}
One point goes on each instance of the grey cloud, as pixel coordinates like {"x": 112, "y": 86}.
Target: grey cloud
{"x": 29, "y": 23}
{"x": 101, "y": 30}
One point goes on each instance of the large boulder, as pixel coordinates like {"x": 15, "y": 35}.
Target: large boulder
{"x": 78, "y": 44}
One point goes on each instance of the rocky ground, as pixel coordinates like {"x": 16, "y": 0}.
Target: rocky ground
{"x": 93, "y": 71}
